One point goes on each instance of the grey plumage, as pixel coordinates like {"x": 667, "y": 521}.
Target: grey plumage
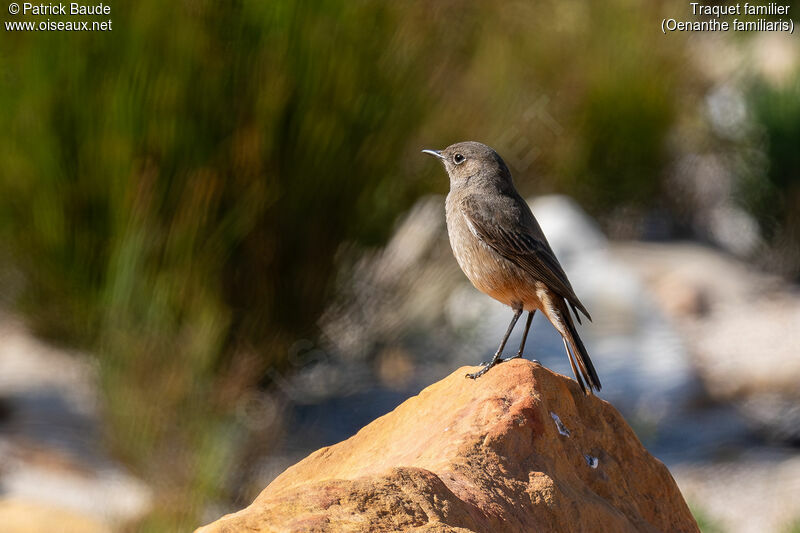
{"x": 501, "y": 248}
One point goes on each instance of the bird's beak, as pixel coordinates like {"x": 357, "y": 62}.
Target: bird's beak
{"x": 435, "y": 153}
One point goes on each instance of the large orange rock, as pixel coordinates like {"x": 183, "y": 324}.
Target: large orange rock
{"x": 520, "y": 449}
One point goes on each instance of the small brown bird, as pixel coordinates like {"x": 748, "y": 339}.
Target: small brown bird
{"x": 502, "y": 250}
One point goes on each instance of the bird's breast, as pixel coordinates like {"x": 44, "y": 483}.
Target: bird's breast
{"x": 488, "y": 271}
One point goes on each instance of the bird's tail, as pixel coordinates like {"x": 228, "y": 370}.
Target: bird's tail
{"x": 581, "y": 357}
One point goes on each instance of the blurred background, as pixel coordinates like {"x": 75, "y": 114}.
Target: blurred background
{"x": 221, "y": 248}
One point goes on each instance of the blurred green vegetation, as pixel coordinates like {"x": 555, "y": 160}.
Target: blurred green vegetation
{"x": 794, "y": 527}
{"x": 774, "y": 196}
{"x": 175, "y": 192}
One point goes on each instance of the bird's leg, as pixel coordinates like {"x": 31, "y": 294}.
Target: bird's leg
{"x": 496, "y": 359}
{"x": 524, "y": 334}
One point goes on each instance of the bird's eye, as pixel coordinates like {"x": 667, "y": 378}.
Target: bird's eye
{"x": 458, "y": 159}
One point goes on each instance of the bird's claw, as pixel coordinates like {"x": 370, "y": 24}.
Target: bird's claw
{"x": 479, "y": 373}
{"x": 496, "y": 360}
{"x": 499, "y": 360}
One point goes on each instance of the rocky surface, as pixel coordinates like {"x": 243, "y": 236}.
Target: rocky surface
{"x": 519, "y": 450}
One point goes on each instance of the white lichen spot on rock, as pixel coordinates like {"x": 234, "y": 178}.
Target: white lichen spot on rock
{"x": 591, "y": 461}
{"x": 559, "y": 424}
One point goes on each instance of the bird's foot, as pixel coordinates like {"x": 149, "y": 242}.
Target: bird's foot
{"x": 496, "y": 360}
{"x": 486, "y": 365}
{"x": 484, "y": 369}
{"x": 499, "y": 360}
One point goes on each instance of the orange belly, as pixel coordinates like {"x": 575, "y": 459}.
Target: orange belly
{"x": 492, "y": 274}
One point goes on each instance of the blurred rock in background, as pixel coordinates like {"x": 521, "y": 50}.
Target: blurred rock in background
{"x": 740, "y": 326}
{"x": 55, "y": 474}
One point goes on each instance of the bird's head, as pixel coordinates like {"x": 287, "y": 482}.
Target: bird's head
{"x": 470, "y": 161}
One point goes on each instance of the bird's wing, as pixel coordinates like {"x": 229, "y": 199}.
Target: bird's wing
{"x": 516, "y": 236}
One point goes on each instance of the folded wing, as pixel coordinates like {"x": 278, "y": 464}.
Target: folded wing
{"x": 524, "y": 245}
